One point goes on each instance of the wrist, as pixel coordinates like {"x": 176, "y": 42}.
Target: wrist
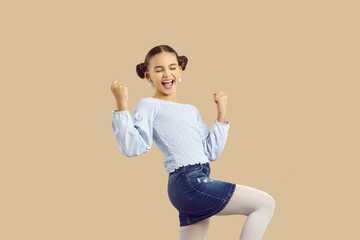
{"x": 122, "y": 107}
{"x": 221, "y": 117}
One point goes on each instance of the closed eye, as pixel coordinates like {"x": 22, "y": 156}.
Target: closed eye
{"x": 171, "y": 69}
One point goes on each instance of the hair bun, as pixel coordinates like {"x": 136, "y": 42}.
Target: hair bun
{"x": 140, "y": 70}
{"x": 183, "y": 61}
{"x": 142, "y": 67}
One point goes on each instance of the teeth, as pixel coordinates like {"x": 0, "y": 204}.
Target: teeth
{"x": 167, "y": 81}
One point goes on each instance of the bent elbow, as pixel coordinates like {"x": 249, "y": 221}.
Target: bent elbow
{"x": 132, "y": 152}
{"x": 212, "y": 157}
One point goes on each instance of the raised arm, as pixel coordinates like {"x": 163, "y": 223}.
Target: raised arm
{"x": 214, "y": 140}
{"x": 134, "y": 134}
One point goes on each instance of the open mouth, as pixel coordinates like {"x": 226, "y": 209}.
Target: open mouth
{"x": 168, "y": 84}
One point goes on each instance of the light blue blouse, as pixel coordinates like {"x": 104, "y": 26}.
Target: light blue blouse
{"x": 176, "y": 128}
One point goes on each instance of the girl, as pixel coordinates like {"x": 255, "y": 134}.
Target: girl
{"x": 188, "y": 147}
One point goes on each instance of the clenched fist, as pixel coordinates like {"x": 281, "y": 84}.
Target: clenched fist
{"x": 120, "y": 92}
{"x": 220, "y": 98}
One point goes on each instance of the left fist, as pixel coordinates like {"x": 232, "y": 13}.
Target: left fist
{"x": 220, "y": 99}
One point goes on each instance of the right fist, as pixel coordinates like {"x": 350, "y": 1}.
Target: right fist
{"x": 120, "y": 92}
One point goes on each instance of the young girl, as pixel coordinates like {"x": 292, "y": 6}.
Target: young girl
{"x": 188, "y": 147}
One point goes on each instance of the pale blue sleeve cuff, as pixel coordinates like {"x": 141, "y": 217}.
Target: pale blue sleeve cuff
{"x": 227, "y": 123}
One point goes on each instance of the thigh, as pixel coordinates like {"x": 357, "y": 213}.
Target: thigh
{"x": 196, "y": 231}
{"x": 245, "y": 200}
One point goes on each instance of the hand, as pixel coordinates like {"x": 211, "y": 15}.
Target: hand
{"x": 220, "y": 99}
{"x": 120, "y": 92}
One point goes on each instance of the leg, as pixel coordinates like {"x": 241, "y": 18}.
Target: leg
{"x": 257, "y": 205}
{"x": 196, "y": 231}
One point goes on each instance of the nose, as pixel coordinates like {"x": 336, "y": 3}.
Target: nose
{"x": 167, "y": 73}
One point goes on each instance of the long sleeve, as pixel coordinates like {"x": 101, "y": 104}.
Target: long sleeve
{"x": 134, "y": 135}
{"x": 215, "y": 139}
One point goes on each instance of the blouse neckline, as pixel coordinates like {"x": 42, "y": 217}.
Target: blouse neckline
{"x": 169, "y": 101}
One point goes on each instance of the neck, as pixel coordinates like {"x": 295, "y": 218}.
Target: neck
{"x": 171, "y": 97}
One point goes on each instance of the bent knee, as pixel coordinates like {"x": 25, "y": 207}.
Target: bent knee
{"x": 270, "y": 204}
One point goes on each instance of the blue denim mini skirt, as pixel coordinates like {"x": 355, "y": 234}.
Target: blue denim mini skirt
{"x": 195, "y": 195}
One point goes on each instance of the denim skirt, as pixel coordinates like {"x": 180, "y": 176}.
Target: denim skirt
{"x": 195, "y": 195}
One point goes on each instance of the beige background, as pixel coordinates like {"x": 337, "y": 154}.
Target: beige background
{"x": 290, "y": 69}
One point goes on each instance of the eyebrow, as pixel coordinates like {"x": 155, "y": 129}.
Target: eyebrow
{"x": 169, "y": 65}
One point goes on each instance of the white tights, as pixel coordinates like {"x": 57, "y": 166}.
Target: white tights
{"x": 256, "y": 204}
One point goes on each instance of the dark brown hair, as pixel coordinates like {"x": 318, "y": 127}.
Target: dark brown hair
{"x": 141, "y": 68}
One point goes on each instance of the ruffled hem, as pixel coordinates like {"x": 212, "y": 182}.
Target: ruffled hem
{"x": 183, "y": 165}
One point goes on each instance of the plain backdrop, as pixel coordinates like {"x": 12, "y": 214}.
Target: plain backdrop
{"x": 290, "y": 69}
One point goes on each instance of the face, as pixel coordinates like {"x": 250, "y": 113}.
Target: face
{"x": 164, "y": 66}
